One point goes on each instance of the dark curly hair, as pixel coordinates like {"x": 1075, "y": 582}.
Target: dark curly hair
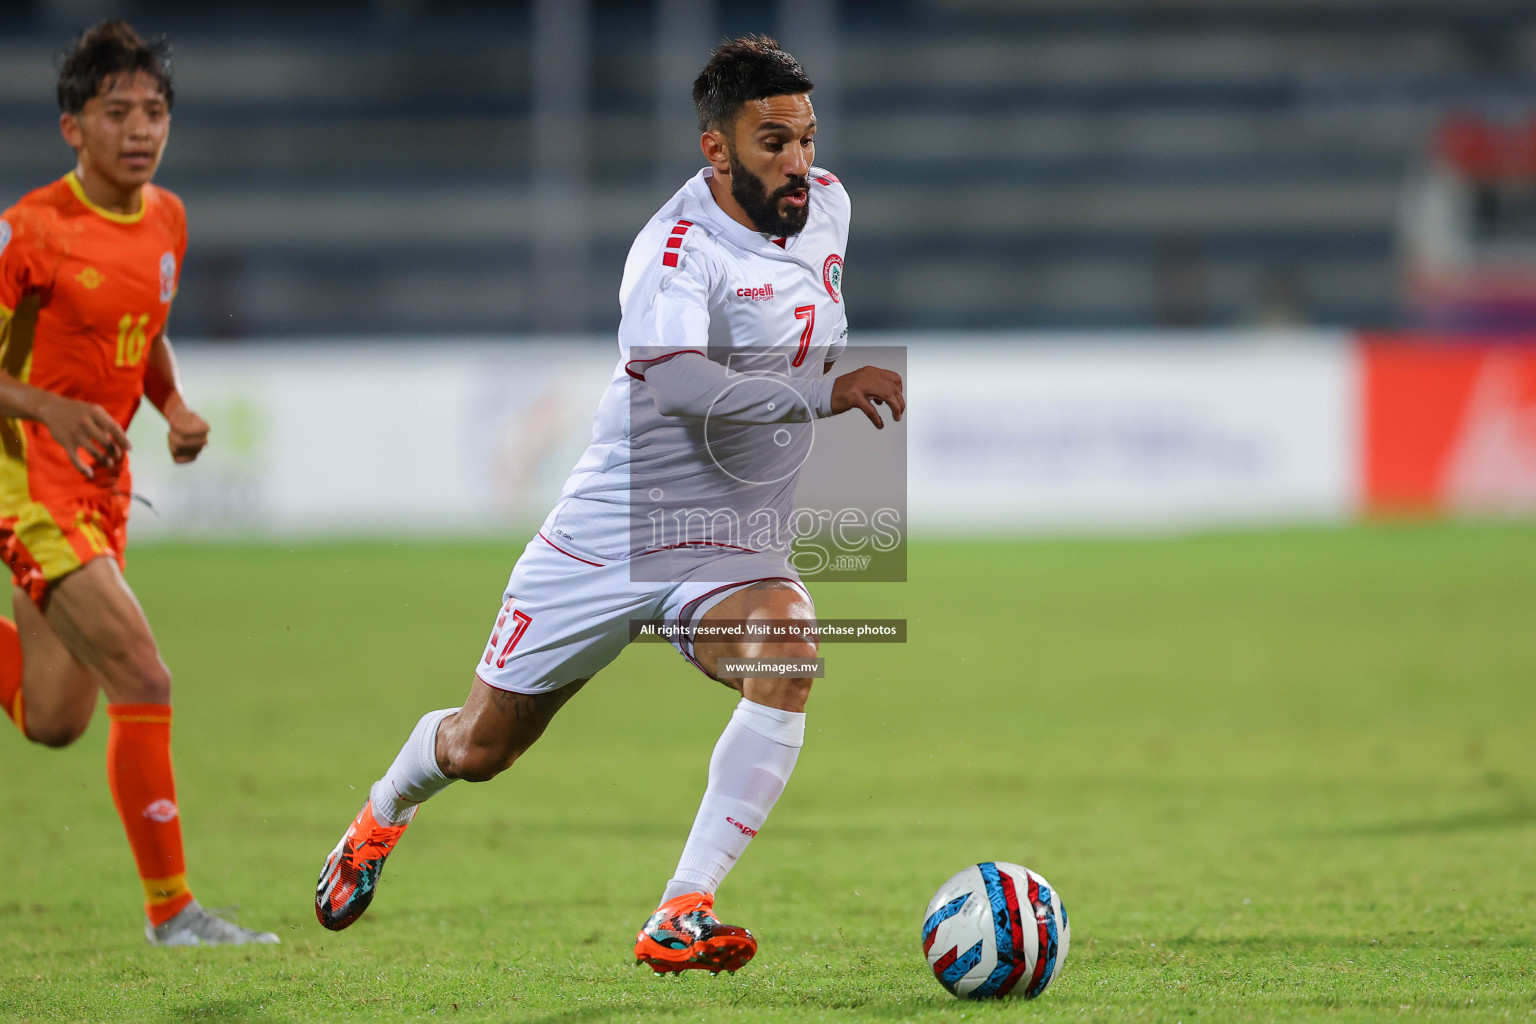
{"x": 742, "y": 70}
{"x": 102, "y": 53}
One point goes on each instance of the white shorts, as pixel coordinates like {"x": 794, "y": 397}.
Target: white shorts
{"x": 565, "y": 615}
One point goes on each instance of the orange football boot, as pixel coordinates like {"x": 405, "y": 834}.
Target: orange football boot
{"x": 684, "y": 935}
{"x": 351, "y": 873}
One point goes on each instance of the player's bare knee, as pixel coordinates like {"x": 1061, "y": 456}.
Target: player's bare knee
{"x": 58, "y": 733}
{"x": 794, "y": 693}
{"x": 783, "y": 694}
{"x": 797, "y": 650}
{"x": 462, "y": 757}
{"x": 787, "y": 693}
{"x": 473, "y": 763}
{"x": 803, "y": 650}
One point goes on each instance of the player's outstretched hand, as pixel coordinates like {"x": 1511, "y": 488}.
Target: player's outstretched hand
{"x": 189, "y": 433}
{"x": 867, "y": 387}
{"x": 77, "y": 425}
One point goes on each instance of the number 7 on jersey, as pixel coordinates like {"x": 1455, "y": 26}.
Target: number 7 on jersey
{"x": 808, "y": 314}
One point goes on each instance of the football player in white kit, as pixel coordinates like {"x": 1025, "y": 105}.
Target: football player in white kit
{"x": 732, "y": 317}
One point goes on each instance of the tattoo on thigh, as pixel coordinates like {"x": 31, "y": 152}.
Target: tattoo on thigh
{"x": 523, "y": 708}
{"x": 512, "y": 705}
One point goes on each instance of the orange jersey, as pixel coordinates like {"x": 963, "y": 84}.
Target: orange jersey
{"x": 83, "y": 293}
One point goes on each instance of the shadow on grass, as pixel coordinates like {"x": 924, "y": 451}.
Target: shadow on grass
{"x": 1283, "y": 947}
{"x": 219, "y": 1009}
{"x": 853, "y": 1007}
{"x": 1516, "y": 816}
{"x": 610, "y": 830}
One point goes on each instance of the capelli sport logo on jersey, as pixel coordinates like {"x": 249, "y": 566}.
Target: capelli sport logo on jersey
{"x": 762, "y": 294}
{"x": 167, "y": 277}
{"x": 832, "y": 276}
{"x": 5, "y": 234}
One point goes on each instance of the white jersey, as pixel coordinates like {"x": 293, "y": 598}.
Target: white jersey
{"x": 768, "y": 310}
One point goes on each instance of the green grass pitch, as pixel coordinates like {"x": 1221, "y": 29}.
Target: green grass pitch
{"x": 1275, "y": 776}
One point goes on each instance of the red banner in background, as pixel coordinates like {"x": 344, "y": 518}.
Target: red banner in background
{"x": 1449, "y": 425}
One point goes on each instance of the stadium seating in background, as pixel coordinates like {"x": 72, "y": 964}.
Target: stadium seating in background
{"x": 1042, "y": 163}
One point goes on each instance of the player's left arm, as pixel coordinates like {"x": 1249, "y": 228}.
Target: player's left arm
{"x": 839, "y": 343}
{"x": 162, "y": 386}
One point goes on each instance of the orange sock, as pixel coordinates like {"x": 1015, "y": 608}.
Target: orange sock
{"x": 144, "y": 789}
{"x": 10, "y": 673}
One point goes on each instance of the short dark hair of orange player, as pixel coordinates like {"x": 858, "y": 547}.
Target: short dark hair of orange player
{"x": 740, "y": 71}
{"x": 104, "y": 52}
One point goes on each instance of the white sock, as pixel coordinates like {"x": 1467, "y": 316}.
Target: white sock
{"x": 747, "y": 772}
{"x": 414, "y": 777}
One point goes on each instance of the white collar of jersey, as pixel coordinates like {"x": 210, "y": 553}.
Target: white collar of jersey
{"x": 722, "y": 224}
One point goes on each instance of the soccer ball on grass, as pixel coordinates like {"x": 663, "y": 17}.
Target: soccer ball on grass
{"x": 996, "y": 929}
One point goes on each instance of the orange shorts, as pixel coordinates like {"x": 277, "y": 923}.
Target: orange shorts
{"x": 50, "y": 538}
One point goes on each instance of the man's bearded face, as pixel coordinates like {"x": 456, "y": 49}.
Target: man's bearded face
{"x": 768, "y": 211}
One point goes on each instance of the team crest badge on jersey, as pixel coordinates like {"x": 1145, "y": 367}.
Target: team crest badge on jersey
{"x": 832, "y": 276}
{"x": 167, "y": 277}
{"x": 90, "y": 278}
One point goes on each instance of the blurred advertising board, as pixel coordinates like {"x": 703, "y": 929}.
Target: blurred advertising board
{"x": 424, "y": 438}
{"x": 1022, "y": 433}
{"x": 1449, "y": 426}
{"x": 1132, "y": 431}
{"x": 1007, "y": 433}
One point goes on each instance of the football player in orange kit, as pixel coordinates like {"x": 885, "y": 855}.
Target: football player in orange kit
{"x": 88, "y": 269}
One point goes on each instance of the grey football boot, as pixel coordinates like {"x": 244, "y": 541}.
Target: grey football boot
{"x": 194, "y": 926}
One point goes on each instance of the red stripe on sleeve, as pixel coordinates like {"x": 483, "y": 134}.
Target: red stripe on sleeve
{"x": 645, "y": 364}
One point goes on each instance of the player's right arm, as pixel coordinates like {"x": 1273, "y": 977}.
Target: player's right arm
{"x": 693, "y": 386}
{"x": 74, "y": 424}
{"x": 696, "y": 387}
